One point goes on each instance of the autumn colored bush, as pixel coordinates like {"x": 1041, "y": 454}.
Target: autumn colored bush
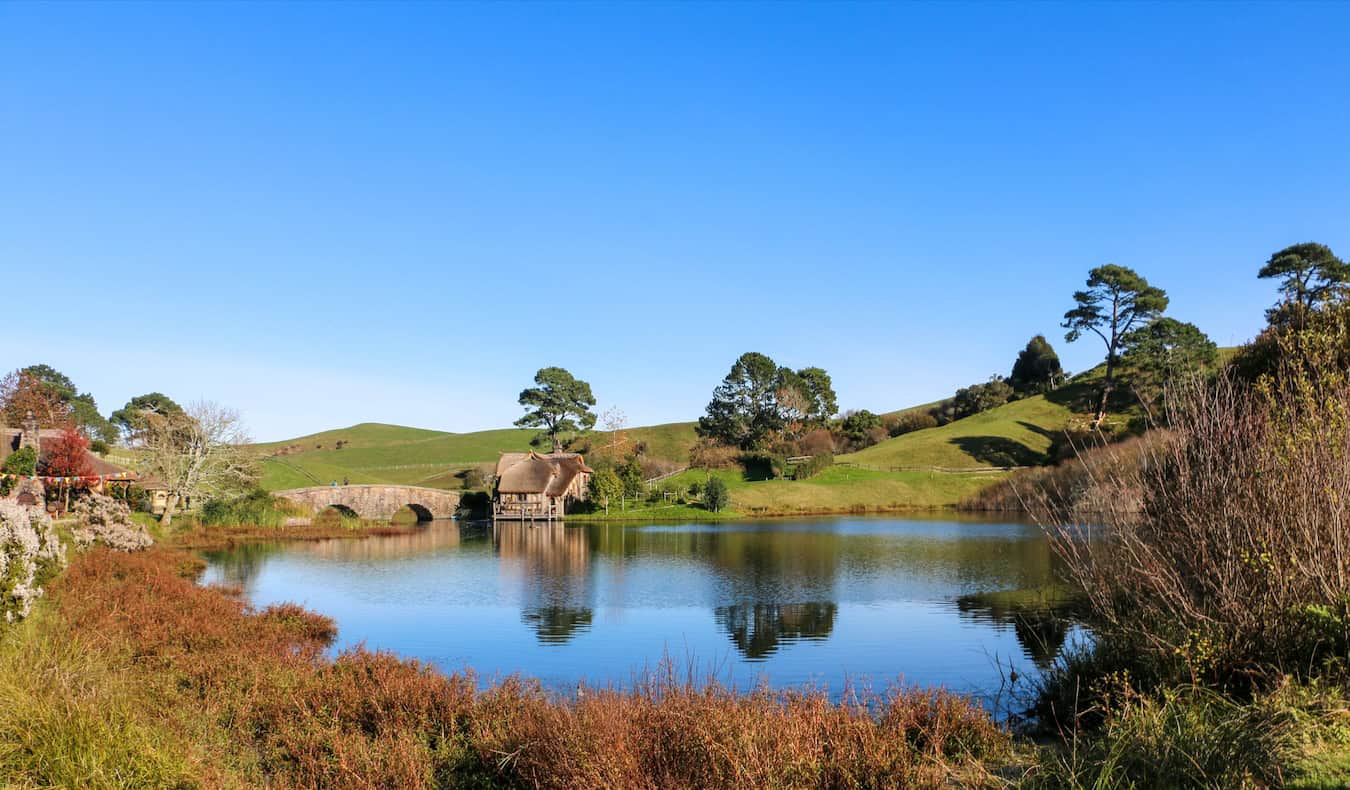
{"x": 249, "y": 698}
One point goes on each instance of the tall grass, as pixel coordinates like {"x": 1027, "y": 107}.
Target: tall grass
{"x": 183, "y": 684}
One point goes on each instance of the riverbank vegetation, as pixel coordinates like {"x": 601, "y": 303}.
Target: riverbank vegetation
{"x": 132, "y": 675}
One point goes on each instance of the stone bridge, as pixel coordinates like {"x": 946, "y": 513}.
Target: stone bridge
{"x": 376, "y": 502}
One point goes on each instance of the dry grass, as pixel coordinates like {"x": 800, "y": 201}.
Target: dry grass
{"x": 165, "y": 683}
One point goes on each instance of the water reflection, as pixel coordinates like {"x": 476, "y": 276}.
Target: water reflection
{"x": 806, "y": 600}
{"x": 757, "y": 629}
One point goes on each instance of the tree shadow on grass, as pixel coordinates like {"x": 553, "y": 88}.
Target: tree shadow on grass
{"x": 998, "y": 451}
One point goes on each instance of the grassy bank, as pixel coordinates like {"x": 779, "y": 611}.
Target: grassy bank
{"x": 131, "y": 675}
{"x": 840, "y": 489}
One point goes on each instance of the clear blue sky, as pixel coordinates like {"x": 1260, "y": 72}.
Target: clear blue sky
{"x": 324, "y": 214}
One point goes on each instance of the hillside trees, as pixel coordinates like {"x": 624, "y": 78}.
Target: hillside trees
{"x": 198, "y": 451}
{"x": 758, "y": 401}
{"x": 54, "y": 400}
{"x": 560, "y": 403}
{"x": 1162, "y": 352}
{"x": 1037, "y": 368}
{"x": 1116, "y": 301}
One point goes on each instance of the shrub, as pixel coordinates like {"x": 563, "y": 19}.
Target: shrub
{"x": 99, "y": 446}
{"x": 817, "y": 442}
{"x": 105, "y": 520}
{"x": 1237, "y": 568}
{"x": 814, "y": 466}
{"x": 909, "y": 422}
{"x": 257, "y": 508}
{"x": 1185, "y": 737}
{"x": 715, "y": 495}
{"x": 30, "y": 551}
{"x": 763, "y": 465}
{"x": 709, "y": 454}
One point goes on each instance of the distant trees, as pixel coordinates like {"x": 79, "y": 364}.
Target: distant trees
{"x": 758, "y": 401}
{"x": 861, "y": 428}
{"x": 130, "y": 417}
{"x": 1117, "y": 300}
{"x": 560, "y": 404}
{"x": 1037, "y": 368}
{"x": 54, "y": 401}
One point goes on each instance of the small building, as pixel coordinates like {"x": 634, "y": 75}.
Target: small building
{"x": 537, "y": 486}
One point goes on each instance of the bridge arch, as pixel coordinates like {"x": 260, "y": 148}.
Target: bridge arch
{"x": 377, "y": 502}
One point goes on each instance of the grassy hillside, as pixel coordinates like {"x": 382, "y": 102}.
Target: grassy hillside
{"x": 378, "y": 453}
{"x": 1016, "y": 434}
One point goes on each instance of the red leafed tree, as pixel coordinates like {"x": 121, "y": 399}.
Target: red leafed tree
{"x": 68, "y": 456}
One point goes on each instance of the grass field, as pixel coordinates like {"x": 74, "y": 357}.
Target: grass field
{"x": 838, "y": 489}
{"x": 1016, "y": 434}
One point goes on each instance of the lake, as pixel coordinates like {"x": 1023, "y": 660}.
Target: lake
{"x": 932, "y": 601}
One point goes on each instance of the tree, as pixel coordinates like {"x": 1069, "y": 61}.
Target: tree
{"x": 196, "y": 452}
{"x": 1310, "y": 274}
{"x": 1037, "y": 368}
{"x": 68, "y": 456}
{"x": 129, "y": 418}
{"x": 44, "y": 388}
{"x": 22, "y": 392}
{"x": 561, "y": 404}
{"x": 977, "y": 398}
{"x": 1163, "y": 351}
{"x": 744, "y": 407}
{"x": 818, "y": 390}
{"x": 715, "y": 494}
{"x": 857, "y": 426}
{"x": 605, "y": 487}
{"x": 1117, "y": 300}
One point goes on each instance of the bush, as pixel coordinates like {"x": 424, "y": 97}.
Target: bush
{"x": 1236, "y": 570}
{"x": 715, "y": 495}
{"x": 105, "y": 520}
{"x": 257, "y": 508}
{"x": 909, "y": 422}
{"x": 763, "y": 465}
{"x": 99, "y": 446}
{"x": 1184, "y": 737}
{"x": 30, "y": 551}
{"x": 814, "y": 466}
{"x": 709, "y": 454}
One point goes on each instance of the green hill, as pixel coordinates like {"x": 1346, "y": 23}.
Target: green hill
{"x": 379, "y": 453}
{"x": 1016, "y": 434}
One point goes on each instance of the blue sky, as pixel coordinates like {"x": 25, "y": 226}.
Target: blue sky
{"x": 324, "y": 214}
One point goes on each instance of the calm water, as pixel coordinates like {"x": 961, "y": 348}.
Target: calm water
{"x": 936, "y": 602}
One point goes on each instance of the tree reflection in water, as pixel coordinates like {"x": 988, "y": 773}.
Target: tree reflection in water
{"x": 757, "y": 629}
{"x": 1041, "y": 618}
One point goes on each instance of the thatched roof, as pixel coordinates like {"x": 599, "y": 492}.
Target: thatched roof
{"x": 536, "y": 473}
